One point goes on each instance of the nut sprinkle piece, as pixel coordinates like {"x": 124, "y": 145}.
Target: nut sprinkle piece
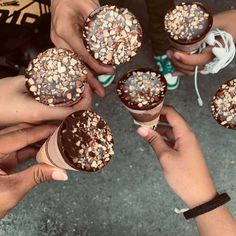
{"x": 56, "y": 77}
{"x": 188, "y": 22}
{"x": 112, "y": 35}
{"x": 86, "y": 141}
{"x": 142, "y": 89}
{"x": 224, "y": 105}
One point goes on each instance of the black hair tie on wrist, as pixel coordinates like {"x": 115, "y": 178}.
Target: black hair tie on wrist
{"x": 218, "y": 201}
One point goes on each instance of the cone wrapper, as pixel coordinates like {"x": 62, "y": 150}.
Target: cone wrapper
{"x": 51, "y": 155}
{"x": 147, "y": 118}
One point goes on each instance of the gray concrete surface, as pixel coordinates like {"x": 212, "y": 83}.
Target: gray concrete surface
{"x": 130, "y": 196}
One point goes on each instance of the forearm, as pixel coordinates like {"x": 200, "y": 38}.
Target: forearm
{"x": 226, "y": 21}
{"x": 217, "y": 222}
{"x": 214, "y": 223}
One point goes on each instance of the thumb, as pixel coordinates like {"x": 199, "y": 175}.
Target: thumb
{"x": 155, "y": 139}
{"x": 86, "y": 101}
{"x": 200, "y": 59}
{"x": 37, "y": 174}
{"x": 97, "y": 66}
{"x": 96, "y": 85}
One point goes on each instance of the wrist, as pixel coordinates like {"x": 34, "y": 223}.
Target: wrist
{"x": 216, "y": 202}
{"x": 201, "y": 198}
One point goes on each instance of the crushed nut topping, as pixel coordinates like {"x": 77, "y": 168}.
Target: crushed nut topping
{"x": 113, "y": 35}
{"x": 56, "y": 77}
{"x": 142, "y": 89}
{"x": 86, "y": 141}
{"x": 187, "y": 22}
{"x": 224, "y": 105}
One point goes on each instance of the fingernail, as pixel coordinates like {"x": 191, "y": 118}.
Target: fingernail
{"x": 59, "y": 176}
{"x": 143, "y": 132}
{"x": 176, "y": 56}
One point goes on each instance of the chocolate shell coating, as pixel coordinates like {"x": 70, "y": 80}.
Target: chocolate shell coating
{"x": 188, "y": 23}
{"x": 142, "y": 89}
{"x": 56, "y": 77}
{"x": 224, "y": 105}
{"x": 112, "y": 35}
{"x": 85, "y": 141}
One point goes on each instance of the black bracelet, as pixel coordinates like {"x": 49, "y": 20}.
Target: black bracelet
{"x": 219, "y": 200}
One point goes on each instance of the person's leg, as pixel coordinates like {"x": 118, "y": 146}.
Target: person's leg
{"x": 157, "y": 10}
{"x": 118, "y": 3}
{"x": 160, "y": 43}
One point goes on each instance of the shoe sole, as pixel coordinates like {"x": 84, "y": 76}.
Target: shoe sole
{"x": 106, "y": 82}
{"x": 173, "y": 86}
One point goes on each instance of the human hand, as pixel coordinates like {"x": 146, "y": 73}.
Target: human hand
{"x": 68, "y": 17}
{"x": 185, "y": 64}
{"x": 17, "y": 106}
{"x": 15, "y": 150}
{"x": 181, "y": 158}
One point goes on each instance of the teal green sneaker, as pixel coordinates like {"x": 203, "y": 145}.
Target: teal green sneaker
{"x": 106, "y": 80}
{"x": 167, "y": 69}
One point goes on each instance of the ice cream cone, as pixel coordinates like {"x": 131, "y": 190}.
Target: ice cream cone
{"x": 187, "y": 25}
{"x": 82, "y": 142}
{"x": 142, "y": 92}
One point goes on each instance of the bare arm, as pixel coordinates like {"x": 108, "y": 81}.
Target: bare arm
{"x": 186, "y": 172}
{"x": 218, "y": 222}
{"x": 226, "y": 21}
